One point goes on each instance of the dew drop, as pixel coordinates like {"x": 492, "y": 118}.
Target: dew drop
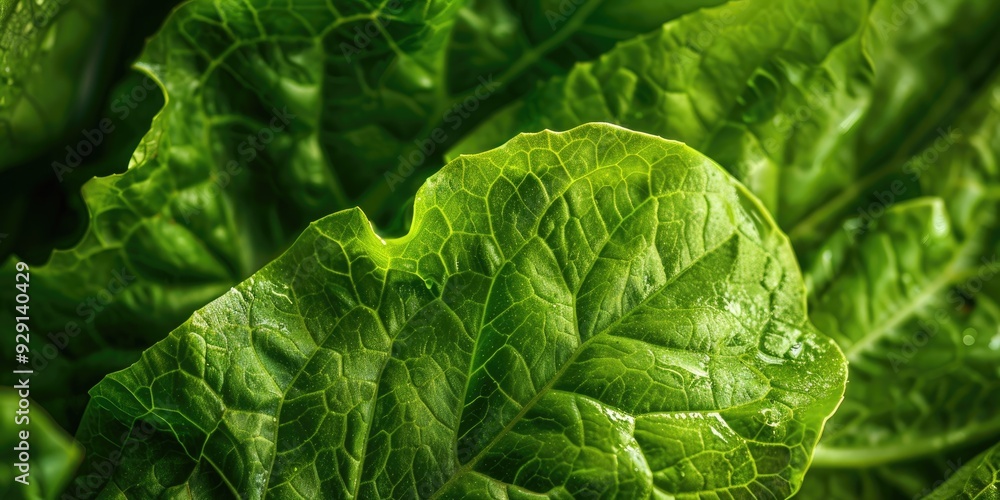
{"x": 734, "y": 307}
{"x": 795, "y": 350}
{"x": 771, "y": 416}
{"x": 969, "y": 337}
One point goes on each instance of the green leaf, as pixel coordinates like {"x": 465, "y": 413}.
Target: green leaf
{"x": 52, "y": 454}
{"x": 921, "y": 93}
{"x": 595, "y": 312}
{"x": 978, "y": 480}
{"x": 804, "y": 124}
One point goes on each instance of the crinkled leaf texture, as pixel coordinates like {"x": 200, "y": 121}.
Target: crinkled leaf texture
{"x": 593, "y": 312}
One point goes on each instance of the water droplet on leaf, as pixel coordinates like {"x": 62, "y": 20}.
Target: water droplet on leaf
{"x": 771, "y": 416}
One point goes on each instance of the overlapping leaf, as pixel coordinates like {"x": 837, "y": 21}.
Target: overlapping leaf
{"x": 595, "y": 312}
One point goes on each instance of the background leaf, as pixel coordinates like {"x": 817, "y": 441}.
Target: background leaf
{"x": 54, "y": 455}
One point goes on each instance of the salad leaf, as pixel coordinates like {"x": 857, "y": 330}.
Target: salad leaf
{"x": 594, "y": 312}
{"x": 872, "y": 143}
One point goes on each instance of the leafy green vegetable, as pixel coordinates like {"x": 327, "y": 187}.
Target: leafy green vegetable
{"x": 914, "y": 302}
{"x": 871, "y": 143}
{"x": 595, "y": 312}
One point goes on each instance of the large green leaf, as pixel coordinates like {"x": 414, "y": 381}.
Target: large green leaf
{"x": 920, "y": 318}
{"x": 595, "y": 312}
{"x": 909, "y": 290}
{"x": 921, "y": 92}
{"x": 793, "y": 110}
